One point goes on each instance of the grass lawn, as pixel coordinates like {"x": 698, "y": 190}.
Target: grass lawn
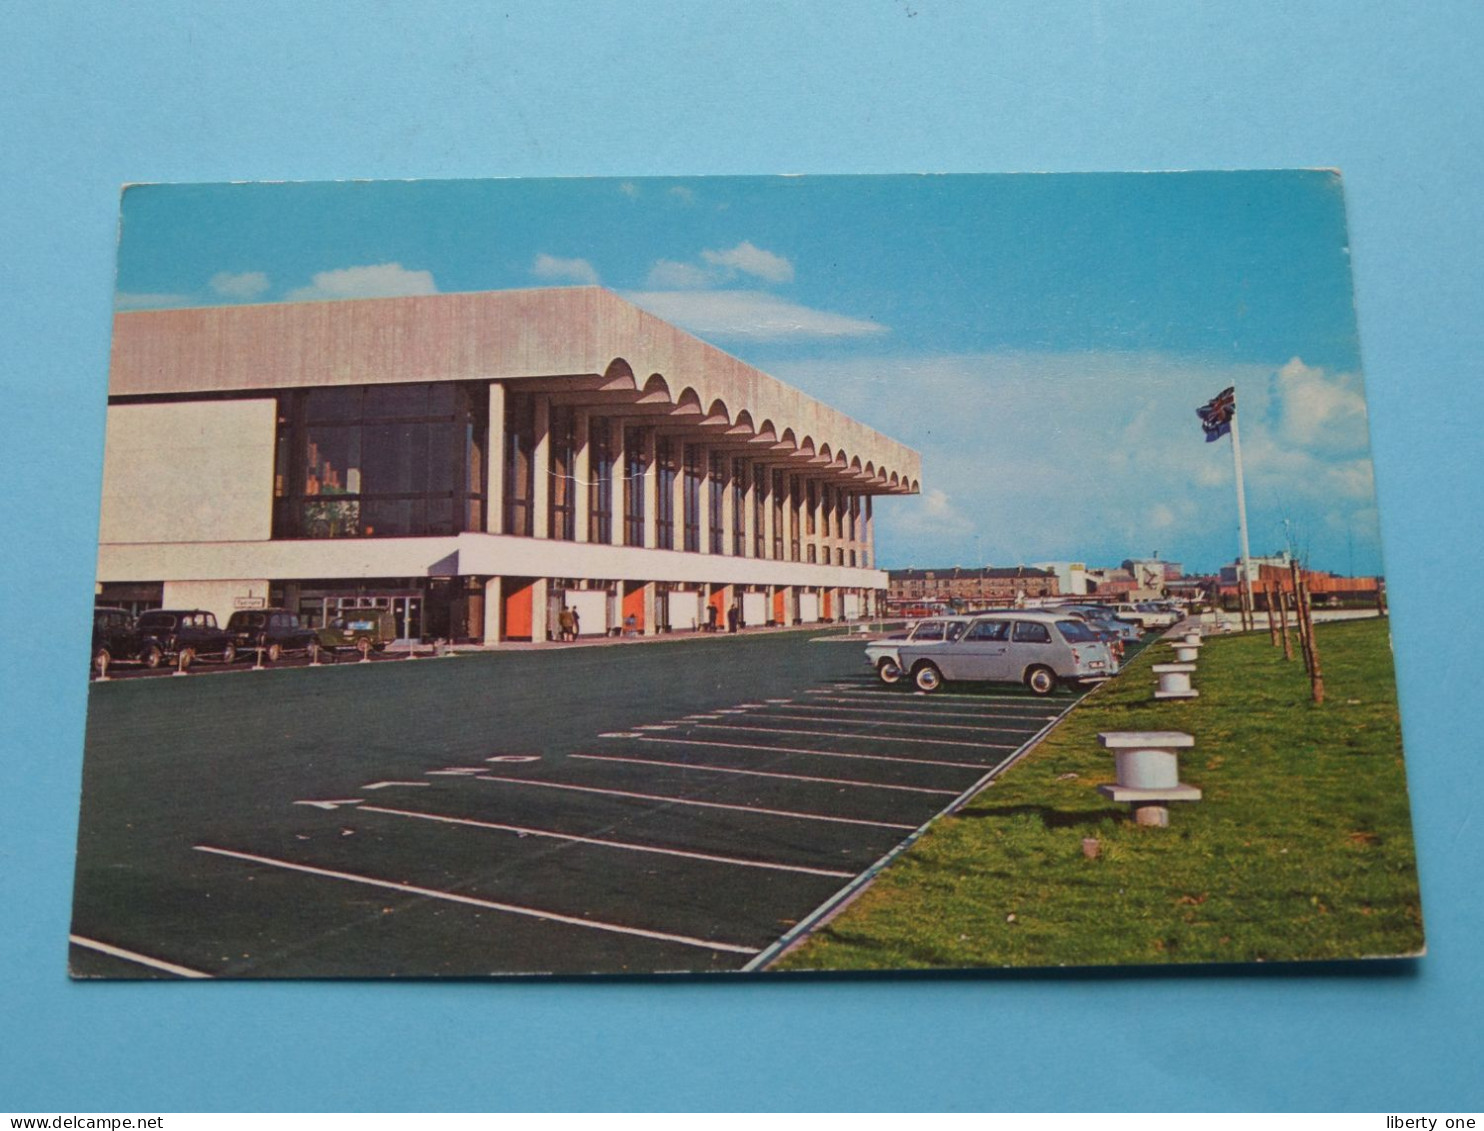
{"x": 1301, "y": 847}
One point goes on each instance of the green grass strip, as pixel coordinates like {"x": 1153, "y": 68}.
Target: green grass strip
{"x": 1301, "y": 848}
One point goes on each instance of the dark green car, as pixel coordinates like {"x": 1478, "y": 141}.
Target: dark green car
{"x": 360, "y": 630}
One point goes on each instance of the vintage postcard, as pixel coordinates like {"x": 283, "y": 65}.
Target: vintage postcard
{"x": 605, "y": 576}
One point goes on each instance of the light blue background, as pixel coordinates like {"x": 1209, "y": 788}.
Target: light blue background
{"x": 94, "y": 95}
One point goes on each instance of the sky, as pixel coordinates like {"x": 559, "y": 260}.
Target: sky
{"x": 1042, "y": 339}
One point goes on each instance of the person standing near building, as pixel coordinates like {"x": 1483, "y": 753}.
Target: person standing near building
{"x": 576, "y": 624}
{"x": 710, "y": 618}
{"x": 567, "y": 622}
{"x": 734, "y": 615}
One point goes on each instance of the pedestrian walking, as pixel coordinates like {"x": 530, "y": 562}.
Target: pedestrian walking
{"x": 576, "y": 624}
{"x": 734, "y": 616}
{"x": 566, "y": 623}
{"x": 711, "y": 618}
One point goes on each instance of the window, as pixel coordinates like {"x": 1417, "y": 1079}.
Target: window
{"x": 691, "y": 497}
{"x": 811, "y": 502}
{"x": 716, "y": 490}
{"x": 739, "y": 508}
{"x": 759, "y": 504}
{"x": 1031, "y": 632}
{"x": 794, "y": 498}
{"x": 563, "y": 490}
{"x": 989, "y": 630}
{"x": 664, "y": 507}
{"x": 600, "y": 490}
{"x": 633, "y": 490}
{"x": 776, "y": 497}
{"x": 391, "y": 461}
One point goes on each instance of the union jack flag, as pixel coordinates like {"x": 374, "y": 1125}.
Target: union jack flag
{"x": 1216, "y": 415}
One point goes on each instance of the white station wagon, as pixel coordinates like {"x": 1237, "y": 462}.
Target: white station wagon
{"x": 1038, "y": 649}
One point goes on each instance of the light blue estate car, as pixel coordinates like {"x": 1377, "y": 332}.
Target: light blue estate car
{"x": 1038, "y": 649}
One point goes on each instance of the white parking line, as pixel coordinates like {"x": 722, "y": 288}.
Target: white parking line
{"x": 821, "y": 753}
{"x": 525, "y": 830}
{"x": 860, "y": 737}
{"x": 910, "y": 713}
{"x": 700, "y": 804}
{"x": 920, "y": 700}
{"x": 761, "y": 773}
{"x": 454, "y": 897}
{"x": 887, "y": 722}
{"x": 135, "y": 957}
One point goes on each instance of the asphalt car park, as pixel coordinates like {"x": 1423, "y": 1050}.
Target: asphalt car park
{"x": 676, "y": 807}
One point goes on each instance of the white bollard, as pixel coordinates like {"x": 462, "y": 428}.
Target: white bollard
{"x": 1174, "y": 681}
{"x": 1185, "y": 651}
{"x": 1147, "y": 766}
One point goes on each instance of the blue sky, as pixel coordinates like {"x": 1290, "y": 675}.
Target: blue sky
{"x": 1042, "y": 339}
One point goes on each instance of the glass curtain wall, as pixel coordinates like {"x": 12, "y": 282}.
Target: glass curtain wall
{"x": 380, "y": 461}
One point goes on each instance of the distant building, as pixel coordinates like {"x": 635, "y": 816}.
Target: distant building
{"x": 1070, "y": 576}
{"x": 981, "y": 586}
{"x": 1142, "y": 568}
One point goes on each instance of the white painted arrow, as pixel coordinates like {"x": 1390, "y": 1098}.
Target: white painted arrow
{"x": 385, "y": 784}
{"x": 331, "y": 804}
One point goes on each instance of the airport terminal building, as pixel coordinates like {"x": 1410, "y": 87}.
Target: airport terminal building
{"x": 475, "y": 462}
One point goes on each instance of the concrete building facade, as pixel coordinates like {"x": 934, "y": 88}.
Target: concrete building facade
{"x": 475, "y": 462}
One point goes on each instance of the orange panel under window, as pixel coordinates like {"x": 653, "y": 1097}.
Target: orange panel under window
{"x": 633, "y": 606}
{"x": 778, "y": 606}
{"x": 518, "y": 610}
{"x": 829, "y": 604}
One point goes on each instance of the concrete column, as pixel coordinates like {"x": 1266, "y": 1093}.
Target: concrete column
{"x": 581, "y": 469}
{"x": 651, "y": 608}
{"x": 816, "y": 515}
{"x": 541, "y": 468}
{"x": 620, "y": 471}
{"x": 494, "y": 503}
{"x": 868, "y": 539}
{"x": 703, "y": 456}
{"x": 539, "y": 619}
{"x": 677, "y": 492}
{"x": 651, "y": 490}
{"x": 728, "y": 506}
{"x": 749, "y": 511}
{"x": 770, "y": 521}
{"x": 494, "y": 611}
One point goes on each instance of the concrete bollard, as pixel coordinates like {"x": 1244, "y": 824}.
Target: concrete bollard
{"x": 1174, "y": 681}
{"x": 1185, "y": 651}
{"x": 1147, "y": 766}
{"x": 1193, "y": 636}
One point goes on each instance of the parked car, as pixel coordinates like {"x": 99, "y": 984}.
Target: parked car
{"x": 1104, "y": 617}
{"x": 181, "y": 636}
{"x": 1039, "y": 649}
{"x": 275, "y": 631}
{"x": 361, "y": 630}
{"x": 115, "y": 637}
{"x": 882, "y": 654}
{"x": 1146, "y": 615}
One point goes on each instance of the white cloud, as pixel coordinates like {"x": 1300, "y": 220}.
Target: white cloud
{"x": 383, "y": 280}
{"x": 140, "y": 300}
{"x": 667, "y": 274}
{"x": 1101, "y": 457}
{"x": 243, "y": 287}
{"x": 754, "y": 315}
{"x": 683, "y": 194}
{"x": 752, "y": 260}
{"x": 553, "y": 268}
{"x": 1318, "y": 407}
{"x": 719, "y": 268}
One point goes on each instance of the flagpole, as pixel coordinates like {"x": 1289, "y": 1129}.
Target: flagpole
{"x": 1244, "y": 588}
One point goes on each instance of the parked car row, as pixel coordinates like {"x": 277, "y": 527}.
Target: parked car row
{"x": 1041, "y": 649}
{"x": 179, "y": 637}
